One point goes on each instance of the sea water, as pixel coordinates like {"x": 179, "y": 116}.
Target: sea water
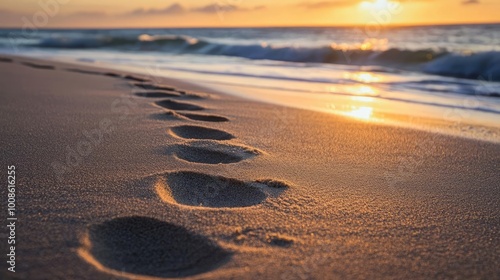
{"x": 446, "y": 73}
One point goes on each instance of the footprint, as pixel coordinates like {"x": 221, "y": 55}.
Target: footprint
{"x": 89, "y": 72}
{"x": 135, "y": 78}
{"x": 205, "y": 118}
{"x": 199, "y": 189}
{"x": 149, "y": 86}
{"x": 81, "y": 71}
{"x": 153, "y": 87}
{"x": 174, "y": 105}
{"x": 213, "y": 153}
{"x": 39, "y": 66}
{"x": 111, "y": 74}
{"x": 200, "y": 132}
{"x": 149, "y": 247}
{"x": 6, "y": 59}
{"x": 280, "y": 240}
{"x": 156, "y": 94}
{"x": 172, "y": 115}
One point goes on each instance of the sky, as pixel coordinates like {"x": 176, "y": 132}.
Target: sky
{"x": 240, "y": 13}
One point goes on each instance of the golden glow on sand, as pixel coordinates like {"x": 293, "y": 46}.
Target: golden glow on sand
{"x": 364, "y": 113}
{"x": 364, "y": 77}
{"x": 362, "y": 90}
{"x": 363, "y": 98}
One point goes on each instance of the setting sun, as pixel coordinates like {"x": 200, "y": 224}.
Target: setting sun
{"x": 377, "y": 4}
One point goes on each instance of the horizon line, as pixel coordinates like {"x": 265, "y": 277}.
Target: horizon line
{"x": 272, "y": 26}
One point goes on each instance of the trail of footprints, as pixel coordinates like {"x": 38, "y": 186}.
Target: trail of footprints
{"x": 204, "y": 145}
{"x": 142, "y": 246}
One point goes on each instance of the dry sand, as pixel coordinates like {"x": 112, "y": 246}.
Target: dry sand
{"x": 123, "y": 176}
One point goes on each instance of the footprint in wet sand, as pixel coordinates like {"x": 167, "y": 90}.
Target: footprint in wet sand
{"x": 142, "y": 246}
{"x": 199, "y": 132}
{"x": 161, "y": 88}
{"x": 204, "y": 118}
{"x": 210, "y": 152}
{"x": 175, "y": 105}
{"x": 172, "y": 115}
{"x": 149, "y": 86}
{"x": 111, "y": 74}
{"x": 90, "y": 72}
{"x": 204, "y": 190}
{"x": 6, "y": 59}
{"x": 191, "y": 95}
{"x": 39, "y": 66}
{"x": 135, "y": 78}
{"x": 157, "y": 94}
{"x": 81, "y": 71}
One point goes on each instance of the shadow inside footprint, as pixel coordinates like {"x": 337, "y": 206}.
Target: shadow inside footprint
{"x": 200, "y": 132}
{"x": 213, "y": 153}
{"x": 153, "y": 87}
{"x": 90, "y": 72}
{"x": 205, "y": 118}
{"x": 147, "y": 246}
{"x": 200, "y": 155}
{"x": 82, "y": 71}
{"x": 111, "y": 74}
{"x": 157, "y": 94}
{"x": 198, "y": 189}
{"x": 135, "y": 78}
{"x": 174, "y": 105}
{"x": 39, "y": 66}
{"x": 6, "y": 59}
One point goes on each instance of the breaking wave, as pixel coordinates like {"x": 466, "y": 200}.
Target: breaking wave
{"x": 481, "y": 65}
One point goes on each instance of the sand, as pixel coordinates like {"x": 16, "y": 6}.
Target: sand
{"x": 123, "y": 176}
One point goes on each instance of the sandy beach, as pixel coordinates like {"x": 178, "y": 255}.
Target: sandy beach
{"x": 123, "y": 176}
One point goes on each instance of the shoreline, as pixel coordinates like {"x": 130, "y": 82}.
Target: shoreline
{"x": 448, "y": 121}
{"x": 193, "y": 184}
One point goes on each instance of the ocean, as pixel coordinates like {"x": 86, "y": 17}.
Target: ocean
{"x": 449, "y": 73}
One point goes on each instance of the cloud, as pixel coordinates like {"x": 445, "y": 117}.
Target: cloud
{"x": 470, "y": 2}
{"x": 92, "y": 14}
{"x": 175, "y": 8}
{"x": 214, "y": 8}
{"x": 326, "y": 4}
{"x": 225, "y": 7}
